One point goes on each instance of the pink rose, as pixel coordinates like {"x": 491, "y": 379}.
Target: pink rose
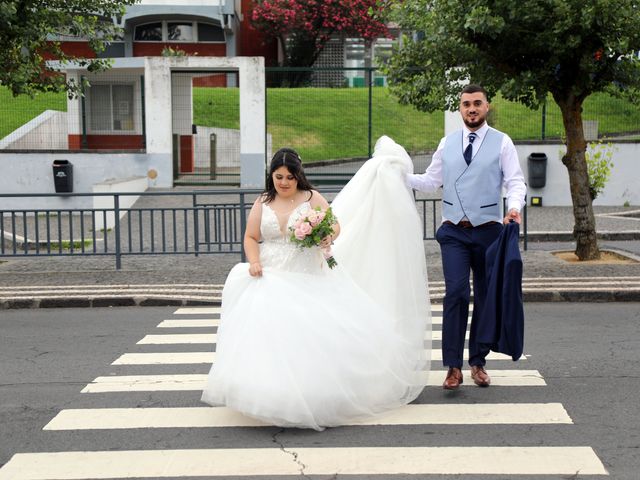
{"x": 313, "y": 219}
{"x": 316, "y": 217}
{"x": 303, "y": 230}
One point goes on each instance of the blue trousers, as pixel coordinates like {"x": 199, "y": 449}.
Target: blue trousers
{"x": 463, "y": 251}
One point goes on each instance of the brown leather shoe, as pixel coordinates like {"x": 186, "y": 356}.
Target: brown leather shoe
{"x": 480, "y": 376}
{"x": 453, "y": 380}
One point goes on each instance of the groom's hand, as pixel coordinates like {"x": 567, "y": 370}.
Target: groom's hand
{"x": 514, "y": 215}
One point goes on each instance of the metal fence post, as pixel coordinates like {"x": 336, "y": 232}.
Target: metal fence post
{"x": 175, "y": 155}
{"x": 116, "y": 213}
{"x": 196, "y": 230}
{"x": 84, "y": 143}
{"x": 213, "y": 156}
{"x": 143, "y": 111}
{"x": 544, "y": 119}
{"x": 243, "y": 226}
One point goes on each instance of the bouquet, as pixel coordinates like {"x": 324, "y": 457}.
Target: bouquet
{"x": 311, "y": 228}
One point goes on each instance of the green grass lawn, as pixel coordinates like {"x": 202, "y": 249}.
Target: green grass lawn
{"x": 301, "y": 118}
{"x": 16, "y": 111}
{"x": 614, "y": 116}
{"x": 332, "y": 123}
{"x": 325, "y": 123}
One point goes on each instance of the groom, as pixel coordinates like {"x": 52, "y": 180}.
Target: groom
{"x": 472, "y": 165}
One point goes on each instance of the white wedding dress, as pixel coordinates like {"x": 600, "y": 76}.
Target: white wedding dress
{"x": 308, "y": 346}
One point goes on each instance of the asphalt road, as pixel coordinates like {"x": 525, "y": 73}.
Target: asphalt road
{"x": 586, "y": 353}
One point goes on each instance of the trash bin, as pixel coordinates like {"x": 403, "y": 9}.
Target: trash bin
{"x": 63, "y": 176}
{"x": 537, "y": 166}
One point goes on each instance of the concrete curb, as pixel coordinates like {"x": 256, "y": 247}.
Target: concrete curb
{"x": 602, "y": 296}
{"x": 568, "y": 236}
{"x": 14, "y": 304}
{"x": 599, "y": 296}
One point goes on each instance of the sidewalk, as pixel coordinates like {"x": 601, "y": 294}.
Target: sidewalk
{"x": 189, "y": 280}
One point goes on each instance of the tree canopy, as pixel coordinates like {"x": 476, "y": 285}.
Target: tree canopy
{"x": 525, "y": 49}
{"x": 30, "y": 31}
{"x": 303, "y": 27}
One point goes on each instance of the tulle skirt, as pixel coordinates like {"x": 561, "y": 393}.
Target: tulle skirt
{"x": 328, "y": 347}
{"x": 308, "y": 350}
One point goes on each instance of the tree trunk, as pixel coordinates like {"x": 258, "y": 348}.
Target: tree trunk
{"x": 584, "y": 230}
{"x": 300, "y": 52}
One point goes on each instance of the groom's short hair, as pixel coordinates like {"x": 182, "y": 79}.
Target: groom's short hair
{"x": 474, "y": 88}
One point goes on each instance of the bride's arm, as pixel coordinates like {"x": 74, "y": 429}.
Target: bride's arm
{"x": 251, "y": 239}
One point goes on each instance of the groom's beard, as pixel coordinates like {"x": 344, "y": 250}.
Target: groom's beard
{"x": 476, "y": 123}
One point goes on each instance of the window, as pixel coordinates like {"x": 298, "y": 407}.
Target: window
{"x": 210, "y": 33}
{"x": 178, "y": 31}
{"x": 111, "y": 108}
{"x": 151, "y": 32}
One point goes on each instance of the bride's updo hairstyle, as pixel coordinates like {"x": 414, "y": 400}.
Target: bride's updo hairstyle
{"x": 285, "y": 157}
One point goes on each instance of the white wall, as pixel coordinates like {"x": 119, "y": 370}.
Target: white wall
{"x": 158, "y": 90}
{"x": 48, "y": 131}
{"x": 33, "y": 173}
{"x": 134, "y": 184}
{"x": 623, "y": 185}
{"x": 182, "y": 103}
{"x": 227, "y": 147}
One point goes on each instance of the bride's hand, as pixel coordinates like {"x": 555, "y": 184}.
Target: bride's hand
{"x": 255, "y": 269}
{"x": 326, "y": 241}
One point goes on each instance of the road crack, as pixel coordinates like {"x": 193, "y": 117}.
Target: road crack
{"x": 294, "y": 455}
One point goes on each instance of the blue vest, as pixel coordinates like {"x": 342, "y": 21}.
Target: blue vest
{"x": 474, "y": 191}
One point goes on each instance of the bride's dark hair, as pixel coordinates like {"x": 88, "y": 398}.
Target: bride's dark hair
{"x": 289, "y": 158}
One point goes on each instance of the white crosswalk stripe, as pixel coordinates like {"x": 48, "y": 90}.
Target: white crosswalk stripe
{"x": 186, "y": 382}
{"x": 328, "y": 460}
{"x": 185, "y": 358}
{"x": 215, "y": 322}
{"x": 210, "y": 338}
{"x": 206, "y": 338}
{"x": 436, "y": 307}
{"x": 485, "y": 414}
{"x": 198, "y": 310}
{"x": 316, "y": 461}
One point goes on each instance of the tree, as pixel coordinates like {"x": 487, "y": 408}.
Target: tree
{"x": 526, "y": 49}
{"x": 28, "y": 33}
{"x": 303, "y": 27}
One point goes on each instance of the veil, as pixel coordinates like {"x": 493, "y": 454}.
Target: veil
{"x": 381, "y": 241}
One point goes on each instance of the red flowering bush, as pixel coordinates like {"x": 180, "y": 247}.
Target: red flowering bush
{"x": 303, "y": 27}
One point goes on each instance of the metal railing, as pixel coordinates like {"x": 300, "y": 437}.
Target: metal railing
{"x": 158, "y": 223}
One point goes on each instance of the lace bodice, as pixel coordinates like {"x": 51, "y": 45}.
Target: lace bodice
{"x": 277, "y": 251}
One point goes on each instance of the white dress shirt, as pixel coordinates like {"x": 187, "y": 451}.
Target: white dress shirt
{"x": 512, "y": 176}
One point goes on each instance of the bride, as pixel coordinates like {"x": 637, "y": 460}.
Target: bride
{"x": 303, "y": 345}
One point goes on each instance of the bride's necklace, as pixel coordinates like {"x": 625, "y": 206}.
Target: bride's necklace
{"x": 288, "y": 205}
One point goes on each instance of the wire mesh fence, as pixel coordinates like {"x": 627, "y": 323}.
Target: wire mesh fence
{"x": 206, "y": 126}
{"x": 331, "y": 116}
{"x": 107, "y": 116}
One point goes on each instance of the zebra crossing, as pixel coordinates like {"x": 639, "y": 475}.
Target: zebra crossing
{"x": 171, "y": 347}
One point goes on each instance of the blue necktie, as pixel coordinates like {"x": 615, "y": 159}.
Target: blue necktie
{"x": 468, "y": 152}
